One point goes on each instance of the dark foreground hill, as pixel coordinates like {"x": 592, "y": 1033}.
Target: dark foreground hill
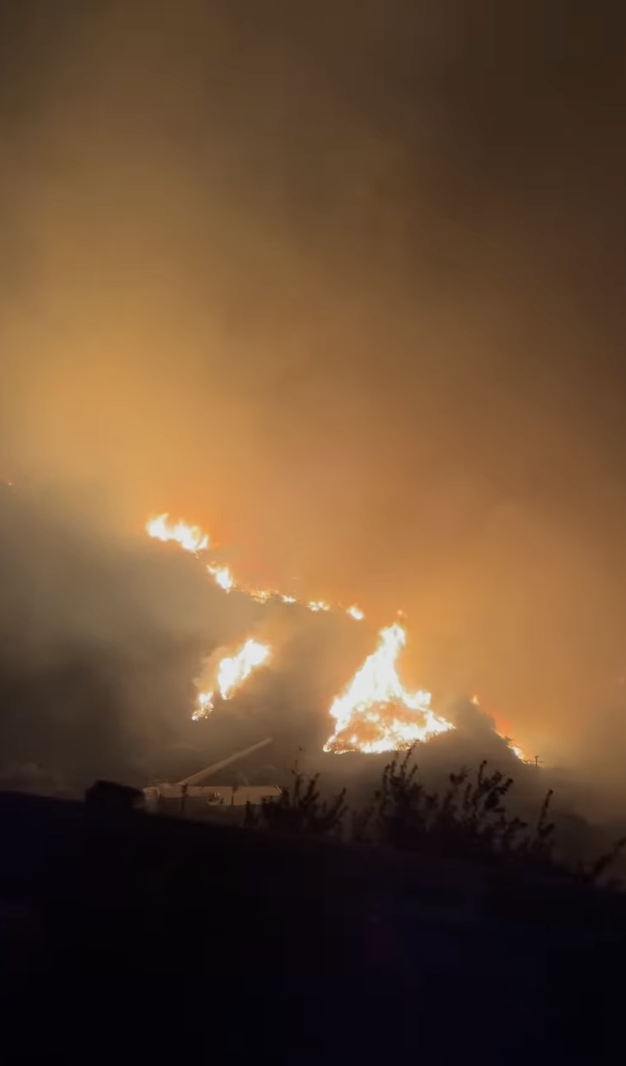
{"x": 147, "y": 938}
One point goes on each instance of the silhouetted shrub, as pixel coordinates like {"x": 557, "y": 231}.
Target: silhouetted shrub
{"x": 596, "y": 870}
{"x": 300, "y": 810}
{"x": 468, "y": 820}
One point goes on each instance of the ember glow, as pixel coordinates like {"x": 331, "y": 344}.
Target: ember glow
{"x": 375, "y": 713}
{"x": 191, "y": 538}
{"x": 231, "y": 673}
{"x": 519, "y": 754}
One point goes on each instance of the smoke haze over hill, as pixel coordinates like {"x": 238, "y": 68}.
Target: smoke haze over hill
{"x": 344, "y": 284}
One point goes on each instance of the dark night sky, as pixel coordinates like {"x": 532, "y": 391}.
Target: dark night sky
{"x": 344, "y": 282}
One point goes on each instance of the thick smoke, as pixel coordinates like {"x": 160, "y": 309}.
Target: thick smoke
{"x": 340, "y": 282}
{"x": 99, "y": 639}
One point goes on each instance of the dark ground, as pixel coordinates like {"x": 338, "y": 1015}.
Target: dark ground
{"x": 134, "y": 936}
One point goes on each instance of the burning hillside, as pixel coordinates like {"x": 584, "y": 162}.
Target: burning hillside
{"x": 191, "y": 538}
{"x": 231, "y": 672}
{"x": 114, "y": 648}
{"x": 374, "y": 714}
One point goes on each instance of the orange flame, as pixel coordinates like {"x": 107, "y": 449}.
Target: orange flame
{"x": 191, "y": 538}
{"x": 231, "y": 673}
{"x": 223, "y": 577}
{"x": 519, "y": 754}
{"x": 375, "y": 713}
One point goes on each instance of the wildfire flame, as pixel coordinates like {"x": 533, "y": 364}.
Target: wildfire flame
{"x": 375, "y": 713}
{"x": 191, "y": 538}
{"x": 519, "y": 754}
{"x": 223, "y": 577}
{"x": 231, "y": 672}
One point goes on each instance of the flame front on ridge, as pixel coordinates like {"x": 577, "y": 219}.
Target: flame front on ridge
{"x": 518, "y": 753}
{"x": 374, "y": 714}
{"x": 191, "y": 538}
{"x": 223, "y": 576}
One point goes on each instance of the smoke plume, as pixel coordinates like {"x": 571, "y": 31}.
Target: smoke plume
{"x": 340, "y": 282}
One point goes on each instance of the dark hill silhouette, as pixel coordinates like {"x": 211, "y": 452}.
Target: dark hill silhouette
{"x": 128, "y": 934}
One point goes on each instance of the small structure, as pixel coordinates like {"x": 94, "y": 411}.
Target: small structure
{"x": 193, "y": 798}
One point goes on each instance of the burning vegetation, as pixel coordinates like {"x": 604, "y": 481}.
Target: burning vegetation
{"x": 374, "y": 714}
{"x": 191, "y": 538}
{"x": 231, "y": 673}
